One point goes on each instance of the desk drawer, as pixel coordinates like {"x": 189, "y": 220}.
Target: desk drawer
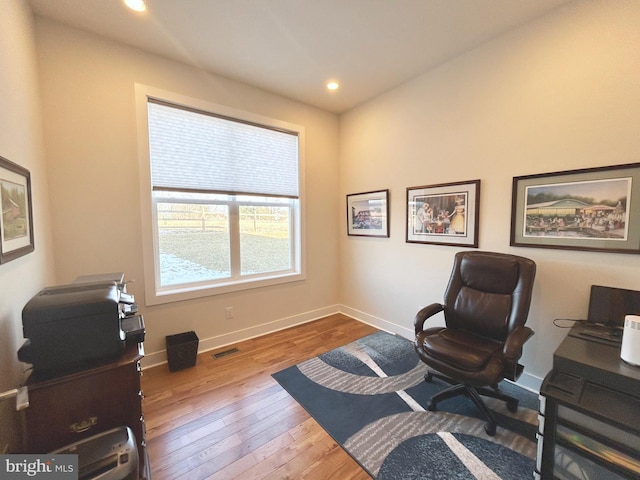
{"x": 65, "y": 412}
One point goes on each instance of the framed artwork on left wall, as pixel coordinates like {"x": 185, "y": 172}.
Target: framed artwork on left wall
{"x": 16, "y": 222}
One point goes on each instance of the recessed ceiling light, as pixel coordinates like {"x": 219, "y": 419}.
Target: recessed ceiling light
{"x": 333, "y": 85}
{"x": 137, "y": 5}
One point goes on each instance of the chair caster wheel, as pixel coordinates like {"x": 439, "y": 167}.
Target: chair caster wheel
{"x": 490, "y": 428}
{"x": 512, "y": 406}
{"x": 431, "y": 407}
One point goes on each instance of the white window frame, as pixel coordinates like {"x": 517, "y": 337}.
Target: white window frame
{"x": 154, "y": 293}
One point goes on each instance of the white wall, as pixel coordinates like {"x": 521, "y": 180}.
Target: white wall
{"x": 561, "y": 93}
{"x": 91, "y": 142}
{"x": 21, "y": 143}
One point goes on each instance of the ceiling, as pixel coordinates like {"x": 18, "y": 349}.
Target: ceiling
{"x": 293, "y": 47}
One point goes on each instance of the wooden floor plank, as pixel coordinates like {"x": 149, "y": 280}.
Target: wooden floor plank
{"x": 227, "y": 417}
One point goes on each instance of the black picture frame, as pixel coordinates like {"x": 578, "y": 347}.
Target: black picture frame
{"x": 592, "y": 209}
{"x": 444, "y": 214}
{"x": 368, "y": 214}
{"x": 16, "y": 221}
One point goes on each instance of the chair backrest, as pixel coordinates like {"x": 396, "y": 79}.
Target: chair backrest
{"x": 489, "y": 293}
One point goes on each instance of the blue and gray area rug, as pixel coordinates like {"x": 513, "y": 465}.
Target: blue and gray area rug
{"x": 371, "y": 397}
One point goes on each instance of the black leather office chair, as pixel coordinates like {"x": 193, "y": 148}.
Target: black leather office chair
{"x": 486, "y": 305}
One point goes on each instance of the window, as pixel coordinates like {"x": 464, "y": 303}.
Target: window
{"x": 223, "y": 197}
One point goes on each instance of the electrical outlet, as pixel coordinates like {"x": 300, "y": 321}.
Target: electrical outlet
{"x": 229, "y": 313}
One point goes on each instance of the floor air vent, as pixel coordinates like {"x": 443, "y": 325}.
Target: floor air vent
{"x": 224, "y": 353}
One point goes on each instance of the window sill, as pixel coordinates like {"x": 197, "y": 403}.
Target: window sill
{"x": 179, "y": 294}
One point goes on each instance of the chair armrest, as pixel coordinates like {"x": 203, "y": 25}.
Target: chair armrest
{"x": 513, "y": 346}
{"x": 424, "y": 314}
{"x": 512, "y": 351}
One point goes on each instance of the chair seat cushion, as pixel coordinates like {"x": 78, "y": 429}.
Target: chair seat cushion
{"x": 460, "y": 349}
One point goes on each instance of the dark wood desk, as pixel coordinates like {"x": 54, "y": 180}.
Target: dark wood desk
{"x": 589, "y": 423}
{"x": 65, "y": 409}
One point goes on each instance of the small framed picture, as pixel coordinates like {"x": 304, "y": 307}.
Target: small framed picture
{"x": 444, "y": 214}
{"x": 16, "y": 224}
{"x": 595, "y": 209}
{"x": 368, "y": 214}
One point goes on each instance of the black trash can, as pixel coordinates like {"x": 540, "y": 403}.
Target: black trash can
{"x": 182, "y": 350}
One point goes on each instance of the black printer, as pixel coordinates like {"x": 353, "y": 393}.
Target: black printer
{"x": 79, "y": 325}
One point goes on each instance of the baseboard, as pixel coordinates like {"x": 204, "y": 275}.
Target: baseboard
{"x": 530, "y": 382}
{"x": 377, "y": 322}
{"x": 157, "y": 358}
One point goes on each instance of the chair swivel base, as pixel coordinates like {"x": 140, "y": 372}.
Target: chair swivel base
{"x": 473, "y": 393}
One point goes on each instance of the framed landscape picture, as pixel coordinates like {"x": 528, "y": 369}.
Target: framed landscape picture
{"x": 16, "y": 223}
{"x": 368, "y": 214}
{"x": 595, "y": 209}
{"x": 445, "y": 214}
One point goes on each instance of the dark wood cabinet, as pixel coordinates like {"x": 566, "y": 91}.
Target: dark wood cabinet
{"x": 69, "y": 408}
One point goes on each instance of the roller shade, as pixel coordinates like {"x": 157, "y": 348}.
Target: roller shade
{"x": 198, "y": 151}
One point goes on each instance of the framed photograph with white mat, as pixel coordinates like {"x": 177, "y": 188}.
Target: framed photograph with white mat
{"x": 444, "y": 214}
{"x": 16, "y": 223}
{"x": 368, "y": 214}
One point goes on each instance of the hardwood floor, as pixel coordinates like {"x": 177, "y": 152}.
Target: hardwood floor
{"x": 228, "y": 418}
